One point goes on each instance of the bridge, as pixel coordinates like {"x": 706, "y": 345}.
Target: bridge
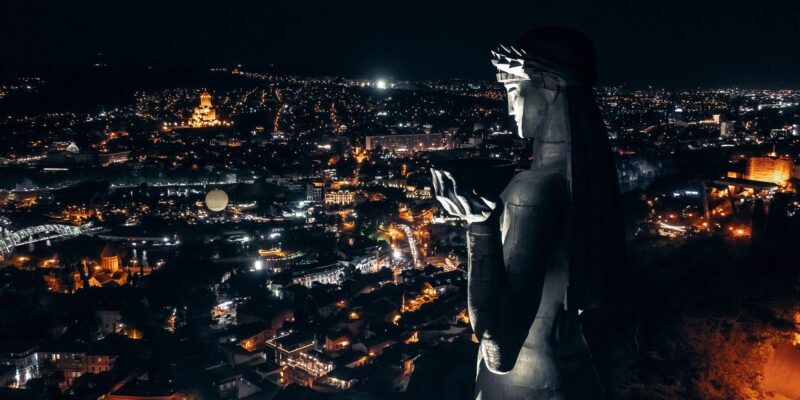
{"x": 40, "y": 233}
{"x": 412, "y": 242}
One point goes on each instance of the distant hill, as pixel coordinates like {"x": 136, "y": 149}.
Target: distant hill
{"x": 90, "y": 88}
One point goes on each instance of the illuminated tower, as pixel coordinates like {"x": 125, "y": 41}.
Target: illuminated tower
{"x": 110, "y": 264}
{"x": 110, "y": 258}
{"x": 205, "y": 100}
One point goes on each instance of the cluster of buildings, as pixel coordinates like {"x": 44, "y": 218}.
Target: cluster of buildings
{"x": 378, "y": 325}
{"x": 409, "y": 143}
{"x": 755, "y": 188}
{"x": 329, "y": 267}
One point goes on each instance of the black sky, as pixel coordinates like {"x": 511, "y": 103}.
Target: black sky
{"x": 676, "y": 43}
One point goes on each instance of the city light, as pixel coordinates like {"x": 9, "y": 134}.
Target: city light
{"x": 252, "y": 229}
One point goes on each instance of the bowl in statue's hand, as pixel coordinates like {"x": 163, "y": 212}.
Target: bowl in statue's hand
{"x": 486, "y": 177}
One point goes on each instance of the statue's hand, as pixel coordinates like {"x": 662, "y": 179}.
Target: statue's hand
{"x": 464, "y": 204}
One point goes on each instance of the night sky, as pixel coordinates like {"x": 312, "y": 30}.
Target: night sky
{"x": 753, "y": 43}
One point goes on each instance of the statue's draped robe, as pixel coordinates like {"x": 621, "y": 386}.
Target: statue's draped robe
{"x": 529, "y": 328}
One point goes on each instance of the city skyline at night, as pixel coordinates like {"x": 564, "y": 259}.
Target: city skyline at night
{"x": 665, "y": 44}
{"x": 281, "y": 201}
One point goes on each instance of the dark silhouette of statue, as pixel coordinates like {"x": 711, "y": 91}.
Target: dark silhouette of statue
{"x": 544, "y": 248}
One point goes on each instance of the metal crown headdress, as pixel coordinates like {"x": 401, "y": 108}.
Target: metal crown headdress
{"x": 515, "y": 64}
{"x": 511, "y": 63}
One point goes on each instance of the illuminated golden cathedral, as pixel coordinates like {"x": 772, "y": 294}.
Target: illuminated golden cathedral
{"x": 205, "y": 114}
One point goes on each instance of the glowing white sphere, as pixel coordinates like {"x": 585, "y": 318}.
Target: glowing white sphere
{"x": 216, "y": 200}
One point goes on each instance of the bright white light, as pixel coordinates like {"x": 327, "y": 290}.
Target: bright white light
{"x": 380, "y": 84}
{"x": 397, "y": 254}
{"x": 258, "y": 265}
{"x": 165, "y": 239}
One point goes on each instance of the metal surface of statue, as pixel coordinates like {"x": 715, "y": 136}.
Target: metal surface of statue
{"x": 544, "y": 250}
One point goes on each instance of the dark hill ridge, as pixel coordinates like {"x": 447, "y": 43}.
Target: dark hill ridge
{"x": 91, "y": 88}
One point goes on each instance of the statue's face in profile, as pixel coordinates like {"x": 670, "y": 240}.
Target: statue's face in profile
{"x": 516, "y": 103}
{"x": 528, "y": 104}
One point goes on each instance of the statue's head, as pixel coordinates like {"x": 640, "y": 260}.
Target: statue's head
{"x": 537, "y": 68}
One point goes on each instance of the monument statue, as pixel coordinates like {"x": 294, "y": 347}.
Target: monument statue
{"x": 543, "y": 244}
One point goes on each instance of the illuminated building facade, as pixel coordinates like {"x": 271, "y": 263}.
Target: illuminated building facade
{"x": 726, "y": 128}
{"x": 314, "y": 364}
{"x": 289, "y": 346}
{"x": 369, "y": 261}
{"x": 256, "y": 338}
{"x": 328, "y": 274}
{"x": 423, "y": 193}
{"x": 110, "y": 263}
{"x": 24, "y": 361}
{"x": 775, "y": 170}
{"x": 336, "y": 341}
{"x": 406, "y": 143}
{"x": 114, "y": 158}
{"x": 75, "y": 364}
{"x": 275, "y": 260}
{"x": 340, "y": 197}
{"x": 315, "y": 191}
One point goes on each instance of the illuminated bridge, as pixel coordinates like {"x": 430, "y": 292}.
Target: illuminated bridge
{"x": 412, "y": 243}
{"x": 39, "y": 233}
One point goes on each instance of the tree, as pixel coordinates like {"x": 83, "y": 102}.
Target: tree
{"x": 370, "y": 216}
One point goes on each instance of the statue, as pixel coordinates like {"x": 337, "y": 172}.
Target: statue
{"x": 546, "y": 249}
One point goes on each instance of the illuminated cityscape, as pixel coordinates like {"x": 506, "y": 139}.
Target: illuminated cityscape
{"x": 223, "y": 230}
